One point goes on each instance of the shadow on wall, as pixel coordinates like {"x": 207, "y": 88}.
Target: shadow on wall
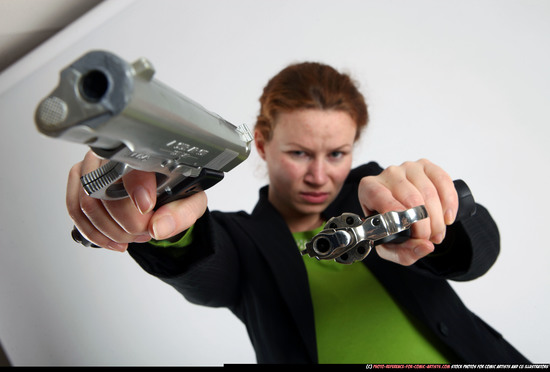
{"x": 4, "y": 361}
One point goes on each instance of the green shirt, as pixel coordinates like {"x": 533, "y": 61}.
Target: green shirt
{"x": 356, "y": 320}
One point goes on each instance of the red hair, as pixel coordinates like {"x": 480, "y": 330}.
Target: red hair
{"x": 310, "y": 85}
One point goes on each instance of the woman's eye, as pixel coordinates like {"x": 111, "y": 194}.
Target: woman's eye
{"x": 336, "y": 154}
{"x": 298, "y": 154}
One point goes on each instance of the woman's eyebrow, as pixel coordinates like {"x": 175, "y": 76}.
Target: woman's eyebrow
{"x": 344, "y": 146}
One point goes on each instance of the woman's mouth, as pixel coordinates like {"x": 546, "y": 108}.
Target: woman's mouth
{"x": 314, "y": 197}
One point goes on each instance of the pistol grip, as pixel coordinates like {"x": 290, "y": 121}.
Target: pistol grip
{"x": 188, "y": 186}
{"x": 181, "y": 189}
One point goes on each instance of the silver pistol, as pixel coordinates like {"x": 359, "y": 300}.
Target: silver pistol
{"x": 136, "y": 122}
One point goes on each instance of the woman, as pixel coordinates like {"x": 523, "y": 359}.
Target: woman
{"x": 395, "y": 307}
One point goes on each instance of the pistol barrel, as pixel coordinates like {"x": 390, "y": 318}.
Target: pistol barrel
{"x": 136, "y": 121}
{"x": 104, "y": 102}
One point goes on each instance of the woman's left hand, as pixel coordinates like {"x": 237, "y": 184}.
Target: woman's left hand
{"x": 406, "y": 186}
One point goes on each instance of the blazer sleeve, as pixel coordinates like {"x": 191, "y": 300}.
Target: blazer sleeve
{"x": 470, "y": 248}
{"x": 208, "y": 272}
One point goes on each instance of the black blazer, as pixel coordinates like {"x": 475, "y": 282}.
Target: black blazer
{"x": 251, "y": 265}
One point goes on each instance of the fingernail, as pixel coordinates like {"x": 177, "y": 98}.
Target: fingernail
{"x": 116, "y": 247}
{"x": 163, "y": 227}
{"x": 142, "y": 200}
{"x": 438, "y": 238}
{"x": 143, "y": 238}
{"x": 449, "y": 217}
{"x": 422, "y": 250}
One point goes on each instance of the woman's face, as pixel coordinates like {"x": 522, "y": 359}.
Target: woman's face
{"x": 308, "y": 158}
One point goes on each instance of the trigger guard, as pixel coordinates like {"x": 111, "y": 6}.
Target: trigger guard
{"x": 102, "y": 183}
{"x": 117, "y": 191}
{"x": 398, "y": 238}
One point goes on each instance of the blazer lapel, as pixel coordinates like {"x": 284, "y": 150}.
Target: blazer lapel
{"x": 271, "y": 234}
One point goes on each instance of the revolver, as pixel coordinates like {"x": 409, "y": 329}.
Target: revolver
{"x": 136, "y": 122}
{"x": 348, "y": 238}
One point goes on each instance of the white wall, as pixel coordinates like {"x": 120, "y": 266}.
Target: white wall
{"x": 464, "y": 83}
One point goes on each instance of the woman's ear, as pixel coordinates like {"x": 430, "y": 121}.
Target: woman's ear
{"x": 260, "y": 141}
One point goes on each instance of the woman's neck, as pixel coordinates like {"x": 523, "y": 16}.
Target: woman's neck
{"x": 296, "y": 221}
{"x": 304, "y": 223}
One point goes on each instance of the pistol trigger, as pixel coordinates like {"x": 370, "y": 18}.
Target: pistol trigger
{"x": 102, "y": 182}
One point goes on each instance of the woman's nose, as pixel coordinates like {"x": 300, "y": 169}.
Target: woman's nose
{"x": 316, "y": 172}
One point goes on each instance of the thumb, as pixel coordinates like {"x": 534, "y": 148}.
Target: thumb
{"x": 406, "y": 253}
{"x": 177, "y": 216}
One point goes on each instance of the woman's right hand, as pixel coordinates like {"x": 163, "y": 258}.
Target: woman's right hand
{"x": 113, "y": 224}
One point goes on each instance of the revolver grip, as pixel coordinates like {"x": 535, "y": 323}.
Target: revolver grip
{"x": 466, "y": 208}
{"x": 466, "y": 202}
